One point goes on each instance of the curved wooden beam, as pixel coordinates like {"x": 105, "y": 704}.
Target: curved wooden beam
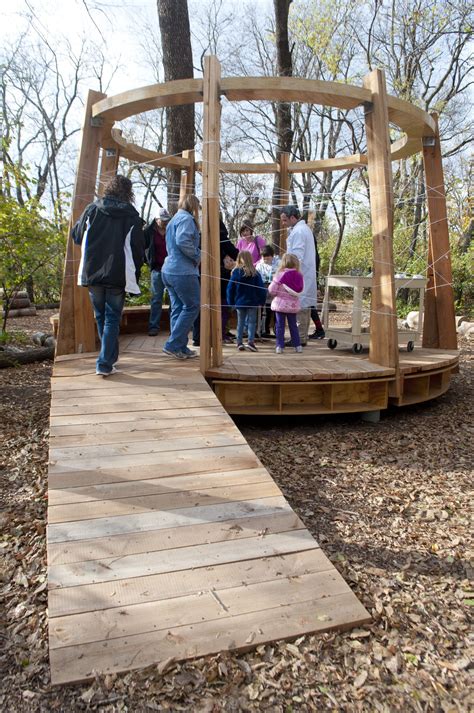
{"x": 143, "y": 155}
{"x": 153, "y": 96}
{"x": 340, "y": 163}
{"x": 412, "y": 120}
{"x": 289, "y": 89}
{"x": 331, "y": 164}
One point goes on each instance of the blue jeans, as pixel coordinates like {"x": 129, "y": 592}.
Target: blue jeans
{"x": 185, "y": 299}
{"x": 157, "y": 291}
{"x": 246, "y": 319}
{"x": 108, "y": 305}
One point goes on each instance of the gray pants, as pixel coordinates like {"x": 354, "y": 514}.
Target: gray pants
{"x": 303, "y": 319}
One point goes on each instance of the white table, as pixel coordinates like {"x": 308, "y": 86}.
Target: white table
{"x": 357, "y": 336}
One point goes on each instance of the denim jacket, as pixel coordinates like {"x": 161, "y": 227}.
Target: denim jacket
{"x": 182, "y": 245}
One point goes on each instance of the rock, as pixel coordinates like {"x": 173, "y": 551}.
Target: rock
{"x": 38, "y": 338}
{"x": 49, "y": 341}
{"x": 464, "y": 328}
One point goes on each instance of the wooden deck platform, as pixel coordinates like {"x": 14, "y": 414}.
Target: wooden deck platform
{"x": 321, "y": 381}
{"x": 167, "y": 538}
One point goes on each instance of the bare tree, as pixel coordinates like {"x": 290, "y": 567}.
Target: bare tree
{"x": 178, "y": 64}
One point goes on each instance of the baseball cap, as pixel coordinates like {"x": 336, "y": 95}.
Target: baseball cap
{"x": 163, "y": 214}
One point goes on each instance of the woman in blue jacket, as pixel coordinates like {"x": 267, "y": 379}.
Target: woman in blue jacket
{"x": 180, "y": 273}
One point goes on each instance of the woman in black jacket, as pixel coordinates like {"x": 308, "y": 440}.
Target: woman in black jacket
{"x": 110, "y": 233}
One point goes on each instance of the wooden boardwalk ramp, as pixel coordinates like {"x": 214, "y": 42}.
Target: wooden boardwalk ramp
{"x": 167, "y": 538}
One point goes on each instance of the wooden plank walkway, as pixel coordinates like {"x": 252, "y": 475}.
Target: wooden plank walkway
{"x": 167, "y": 537}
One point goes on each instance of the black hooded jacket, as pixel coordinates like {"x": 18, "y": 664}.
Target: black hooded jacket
{"x": 110, "y": 233}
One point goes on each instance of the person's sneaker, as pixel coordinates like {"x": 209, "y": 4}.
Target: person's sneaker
{"x": 299, "y": 349}
{"x": 153, "y": 332}
{"x": 318, "y": 334}
{"x": 227, "y": 340}
{"x": 251, "y": 347}
{"x": 279, "y": 350}
{"x": 229, "y": 334}
{"x": 289, "y": 343}
{"x": 240, "y": 347}
{"x": 196, "y": 343}
{"x": 190, "y": 353}
{"x": 101, "y": 372}
{"x": 176, "y": 355}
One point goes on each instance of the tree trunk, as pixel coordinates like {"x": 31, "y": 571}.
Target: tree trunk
{"x": 175, "y": 33}
{"x": 283, "y": 110}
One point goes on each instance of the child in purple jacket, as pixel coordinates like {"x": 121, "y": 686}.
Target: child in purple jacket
{"x": 285, "y": 287}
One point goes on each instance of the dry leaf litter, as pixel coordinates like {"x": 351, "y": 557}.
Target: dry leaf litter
{"x": 389, "y": 504}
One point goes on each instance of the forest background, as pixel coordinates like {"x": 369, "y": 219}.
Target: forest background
{"x": 51, "y": 57}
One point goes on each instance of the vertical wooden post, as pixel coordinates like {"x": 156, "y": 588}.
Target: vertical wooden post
{"x": 211, "y": 321}
{"x": 109, "y": 161}
{"x": 439, "y": 326}
{"x": 283, "y": 198}
{"x": 383, "y": 318}
{"x": 76, "y": 332}
{"x": 187, "y": 178}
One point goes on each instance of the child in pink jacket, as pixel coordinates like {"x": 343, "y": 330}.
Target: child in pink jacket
{"x": 285, "y": 287}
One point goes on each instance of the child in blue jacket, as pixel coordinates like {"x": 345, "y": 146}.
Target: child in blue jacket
{"x": 246, "y": 292}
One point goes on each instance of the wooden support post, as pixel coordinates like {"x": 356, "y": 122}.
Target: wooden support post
{"x": 439, "y": 326}
{"x": 211, "y": 321}
{"x": 188, "y": 177}
{"x": 76, "y": 332}
{"x": 109, "y": 161}
{"x": 383, "y": 318}
{"x": 283, "y": 198}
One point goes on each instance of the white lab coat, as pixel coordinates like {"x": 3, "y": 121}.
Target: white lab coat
{"x": 301, "y": 243}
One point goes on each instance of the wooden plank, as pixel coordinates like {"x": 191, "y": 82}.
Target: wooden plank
{"x": 123, "y": 394}
{"x": 128, "y": 405}
{"x": 204, "y": 460}
{"x": 193, "y": 609}
{"x": 137, "y": 454}
{"x": 76, "y": 331}
{"x": 383, "y": 317}
{"x": 125, "y": 592}
{"x": 209, "y": 424}
{"x": 161, "y": 501}
{"x": 78, "y": 662}
{"x": 75, "y": 422}
{"x": 110, "y": 155}
{"x": 439, "y": 326}
{"x": 180, "y": 483}
{"x": 107, "y": 527}
{"x": 154, "y": 541}
{"x": 188, "y": 177}
{"x": 172, "y": 560}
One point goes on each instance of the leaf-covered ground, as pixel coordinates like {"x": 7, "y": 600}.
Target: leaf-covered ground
{"x": 389, "y": 504}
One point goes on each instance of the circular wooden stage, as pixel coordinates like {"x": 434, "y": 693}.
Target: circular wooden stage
{"x": 322, "y": 381}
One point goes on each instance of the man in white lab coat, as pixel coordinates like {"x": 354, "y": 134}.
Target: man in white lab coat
{"x": 300, "y": 242}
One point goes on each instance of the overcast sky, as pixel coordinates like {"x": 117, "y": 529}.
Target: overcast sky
{"x": 121, "y": 23}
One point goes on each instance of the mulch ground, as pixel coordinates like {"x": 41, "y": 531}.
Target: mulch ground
{"x": 389, "y": 504}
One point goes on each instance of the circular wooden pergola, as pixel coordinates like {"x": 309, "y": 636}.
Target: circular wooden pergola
{"x": 101, "y": 140}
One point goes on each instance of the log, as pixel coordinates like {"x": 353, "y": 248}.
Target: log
{"x": 20, "y": 303}
{"x": 25, "y": 312}
{"x": 11, "y": 357}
